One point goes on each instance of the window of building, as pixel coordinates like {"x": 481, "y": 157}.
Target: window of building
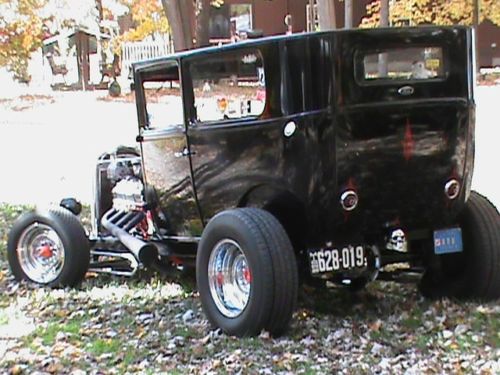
{"x": 229, "y": 86}
{"x": 241, "y": 17}
{"x": 312, "y": 17}
{"x": 230, "y": 22}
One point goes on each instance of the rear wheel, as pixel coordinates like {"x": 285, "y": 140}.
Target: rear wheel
{"x": 475, "y": 272}
{"x": 246, "y": 273}
{"x": 48, "y": 248}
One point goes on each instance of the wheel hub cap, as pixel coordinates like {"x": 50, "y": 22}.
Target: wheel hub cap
{"x": 45, "y": 251}
{"x": 41, "y": 253}
{"x": 229, "y": 278}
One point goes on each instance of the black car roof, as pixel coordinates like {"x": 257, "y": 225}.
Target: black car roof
{"x": 226, "y": 47}
{"x": 177, "y": 56}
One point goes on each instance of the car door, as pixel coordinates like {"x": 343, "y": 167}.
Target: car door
{"x": 236, "y": 141}
{"x": 165, "y": 150}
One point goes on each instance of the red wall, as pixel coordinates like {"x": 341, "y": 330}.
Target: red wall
{"x": 488, "y": 35}
{"x": 270, "y": 15}
{"x": 297, "y": 8}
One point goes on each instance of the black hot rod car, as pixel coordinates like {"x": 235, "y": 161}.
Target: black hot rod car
{"x": 324, "y": 156}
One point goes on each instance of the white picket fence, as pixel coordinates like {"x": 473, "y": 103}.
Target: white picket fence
{"x": 137, "y": 51}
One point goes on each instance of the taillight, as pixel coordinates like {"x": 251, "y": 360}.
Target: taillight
{"x": 452, "y": 189}
{"x": 349, "y": 200}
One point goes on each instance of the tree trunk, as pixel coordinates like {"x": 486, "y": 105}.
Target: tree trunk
{"x": 202, "y": 20}
{"x": 384, "y": 13}
{"x": 475, "y": 23}
{"x": 383, "y": 67}
{"x": 187, "y": 14}
{"x": 326, "y": 12}
{"x": 348, "y": 14}
{"x": 100, "y": 48}
{"x": 178, "y": 18}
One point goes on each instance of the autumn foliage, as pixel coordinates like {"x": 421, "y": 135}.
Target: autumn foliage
{"x": 21, "y": 33}
{"x": 149, "y": 20}
{"x": 435, "y": 12}
{"x": 23, "y": 27}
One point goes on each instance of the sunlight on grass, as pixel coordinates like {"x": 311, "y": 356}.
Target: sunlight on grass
{"x": 14, "y": 323}
{"x": 104, "y": 346}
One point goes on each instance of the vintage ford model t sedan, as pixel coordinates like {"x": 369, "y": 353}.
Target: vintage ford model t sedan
{"x": 323, "y": 156}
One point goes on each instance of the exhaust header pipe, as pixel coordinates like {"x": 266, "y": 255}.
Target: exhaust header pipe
{"x": 118, "y": 223}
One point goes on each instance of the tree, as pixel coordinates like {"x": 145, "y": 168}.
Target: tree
{"x": 149, "y": 20}
{"x": 348, "y": 14}
{"x": 436, "y": 12}
{"x": 202, "y": 14}
{"x": 384, "y": 13}
{"x": 180, "y": 14}
{"x": 24, "y": 24}
{"x": 21, "y": 33}
{"x": 326, "y": 13}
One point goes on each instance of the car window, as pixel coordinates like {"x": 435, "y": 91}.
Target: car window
{"x": 162, "y": 94}
{"x": 229, "y": 86}
{"x": 415, "y": 63}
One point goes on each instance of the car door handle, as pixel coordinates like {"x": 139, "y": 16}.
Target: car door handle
{"x": 184, "y": 152}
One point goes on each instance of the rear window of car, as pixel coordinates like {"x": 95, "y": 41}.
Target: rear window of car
{"x": 413, "y": 63}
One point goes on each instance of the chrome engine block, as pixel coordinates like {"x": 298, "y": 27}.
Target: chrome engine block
{"x": 128, "y": 195}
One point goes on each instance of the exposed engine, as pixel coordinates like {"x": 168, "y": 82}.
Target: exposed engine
{"x": 128, "y": 190}
{"x": 118, "y": 184}
{"x": 121, "y": 211}
{"x": 128, "y": 194}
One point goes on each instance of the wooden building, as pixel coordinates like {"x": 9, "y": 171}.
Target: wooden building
{"x": 267, "y": 17}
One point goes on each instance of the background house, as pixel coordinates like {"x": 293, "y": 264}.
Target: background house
{"x": 268, "y": 17}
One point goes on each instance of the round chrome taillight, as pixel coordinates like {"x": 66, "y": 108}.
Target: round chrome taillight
{"x": 452, "y": 189}
{"x": 349, "y": 200}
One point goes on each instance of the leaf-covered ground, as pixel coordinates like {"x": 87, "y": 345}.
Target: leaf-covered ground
{"x": 26, "y": 102}
{"x": 151, "y": 324}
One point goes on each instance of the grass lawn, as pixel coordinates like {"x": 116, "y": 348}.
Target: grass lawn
{"x": 117, "y": 325}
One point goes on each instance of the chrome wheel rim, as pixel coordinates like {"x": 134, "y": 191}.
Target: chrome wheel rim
{"x": 41, "y": 253}
{"x": 229, "y": 278}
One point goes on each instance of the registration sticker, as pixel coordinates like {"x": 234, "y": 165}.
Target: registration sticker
{"x": 448, "y": 241}
{"x": 432, "y": 64}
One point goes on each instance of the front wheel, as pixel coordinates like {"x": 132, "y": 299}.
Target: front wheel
{"x": 247, "y": 273}
{"x": 48, "y": 248}
{"x": 475, "y": 272}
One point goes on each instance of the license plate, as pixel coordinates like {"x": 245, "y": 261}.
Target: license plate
{"x": 448, "y": 241}
{"x": 342, "y": 259}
